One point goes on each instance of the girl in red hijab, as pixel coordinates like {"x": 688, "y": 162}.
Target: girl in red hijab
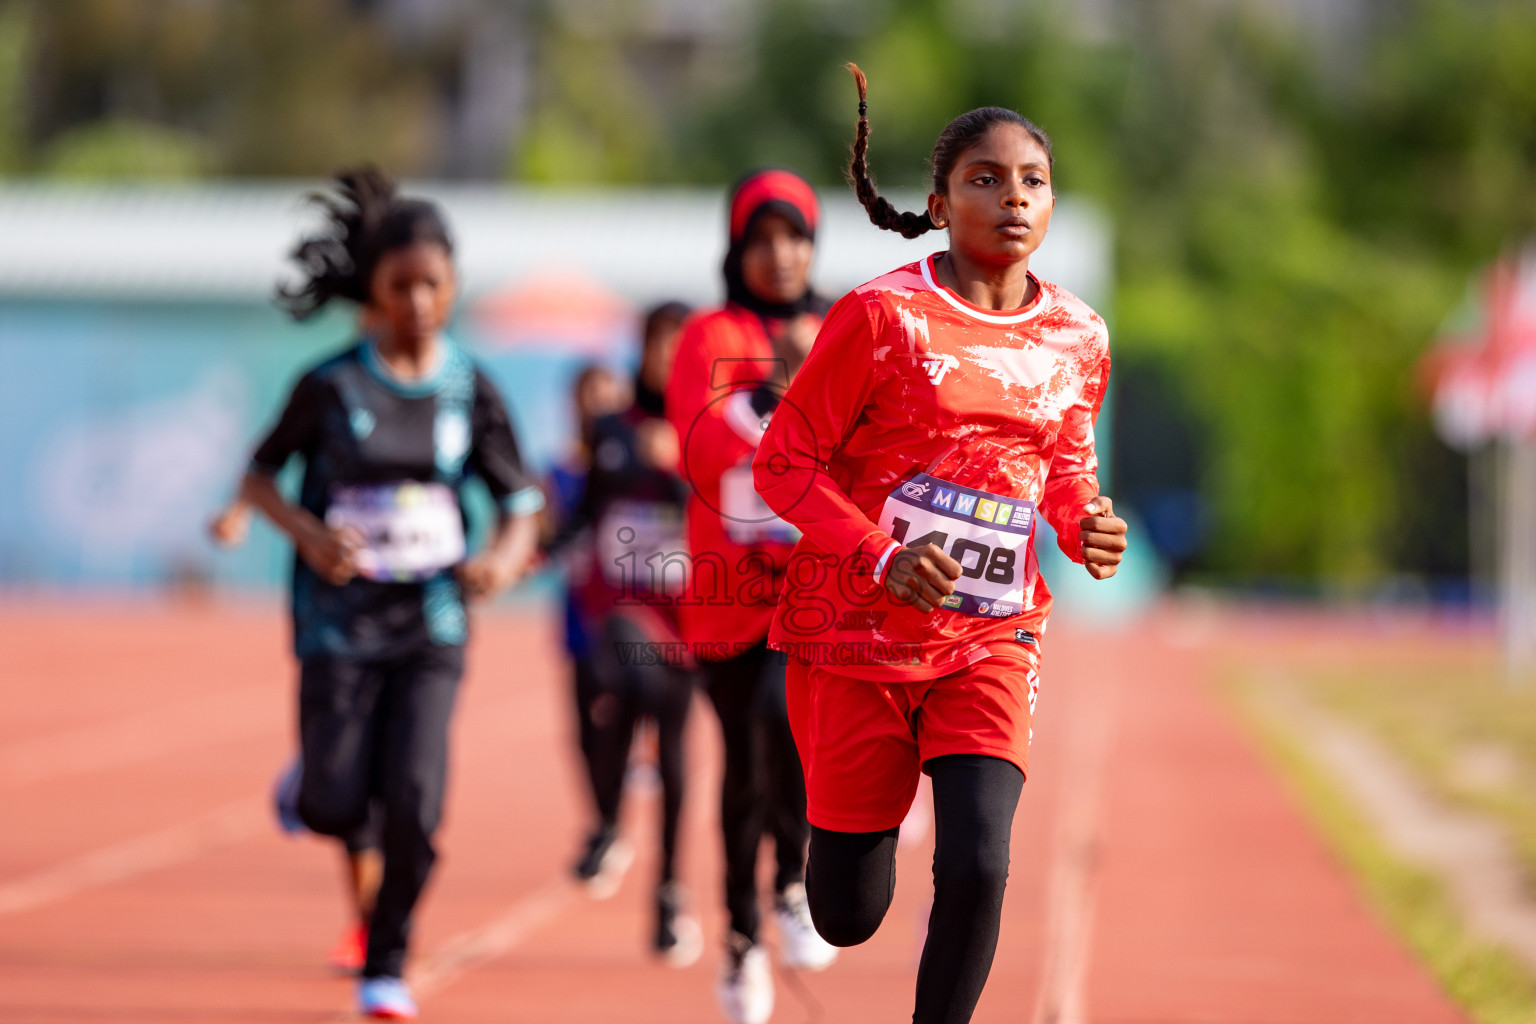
{"x": 732, "y": 364}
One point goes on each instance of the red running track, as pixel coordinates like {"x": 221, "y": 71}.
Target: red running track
{"x": 1160, "y": 874}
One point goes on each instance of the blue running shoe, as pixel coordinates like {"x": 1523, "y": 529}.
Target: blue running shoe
{"x": 285, "y": 798}
{"x": 385, "y": 998}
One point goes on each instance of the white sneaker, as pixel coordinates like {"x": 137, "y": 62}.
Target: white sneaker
{"x": 689, "y": 944}
{"x": 601, "y": 871}
{"x": 679, "y": 940}
{"x": 800, "y": 946}
{"x": 745, "y": 988}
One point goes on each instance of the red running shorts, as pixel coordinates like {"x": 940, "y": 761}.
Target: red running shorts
{"x": 863, "y": 743}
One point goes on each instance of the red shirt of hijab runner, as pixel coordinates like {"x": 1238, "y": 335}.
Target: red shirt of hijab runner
{"x": 921, "y": 418}
{"x": 725, "y": 358}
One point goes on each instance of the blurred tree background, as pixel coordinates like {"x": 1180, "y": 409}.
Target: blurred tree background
{"x": 1299, "y": 188}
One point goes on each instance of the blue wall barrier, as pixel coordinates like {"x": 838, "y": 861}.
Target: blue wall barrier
{"x": 123, "y": 426}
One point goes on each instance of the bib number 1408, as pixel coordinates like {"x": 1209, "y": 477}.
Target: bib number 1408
{"x": 988, "y": 534}
{"x": 977, "y": 560}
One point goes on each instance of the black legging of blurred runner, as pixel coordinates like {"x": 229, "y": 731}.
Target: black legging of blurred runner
{"x": 614, "y": 691}
{"x": 368, "y": 836}
{"x": 853, "y": 877}
{"x": 585, "y": 689}
{"x": 380, "y": 728}
{"x": 763, "y": 789}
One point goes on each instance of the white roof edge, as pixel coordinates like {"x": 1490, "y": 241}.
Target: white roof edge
{"x": 229, "y": 242}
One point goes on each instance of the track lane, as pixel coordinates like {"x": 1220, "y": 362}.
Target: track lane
{"x": 1179, "y": 884}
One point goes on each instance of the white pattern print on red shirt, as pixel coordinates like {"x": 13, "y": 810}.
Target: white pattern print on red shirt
{"x": 1013, "y": 416}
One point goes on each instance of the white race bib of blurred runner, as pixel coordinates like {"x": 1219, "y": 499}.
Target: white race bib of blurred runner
{"x": 410, "y": 530}
{"x": 989, "y": 535}
{"x": 640, "y": 546}
{"x": 748, "y": 519}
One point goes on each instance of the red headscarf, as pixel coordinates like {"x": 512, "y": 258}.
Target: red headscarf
{"x": 786, "y": 191}
{"x": 760, "y": 193}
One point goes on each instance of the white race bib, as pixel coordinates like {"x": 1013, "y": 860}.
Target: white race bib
{"x": 987, "y": 534}
{"x": 748, "y": 519}
{"x": 635, "y": 541}
{"x": 410, "y": 530}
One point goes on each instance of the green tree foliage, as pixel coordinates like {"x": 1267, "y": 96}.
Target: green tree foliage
{"x": 15, "y": 37}
{"x": 173, "y": 88}
{"x": 591, "y": 121}
{"x": 121, "y": 149}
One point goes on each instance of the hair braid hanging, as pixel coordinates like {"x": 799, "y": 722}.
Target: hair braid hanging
{"x": 881, "y": 213}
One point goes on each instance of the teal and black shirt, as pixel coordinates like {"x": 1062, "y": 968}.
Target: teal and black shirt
{"x": 357, "y": 425}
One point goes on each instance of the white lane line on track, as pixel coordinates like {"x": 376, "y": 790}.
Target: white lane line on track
{"x": 222, "y": 826}
{"x": 503, "y": 933}
{"x": 229, "y": 824}
{"x": 470, "y": 949}
{"x": 1075, "y": 851}
{"x": 142, "y": 736}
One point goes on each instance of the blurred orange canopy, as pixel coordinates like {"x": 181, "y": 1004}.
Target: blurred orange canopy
{"x": 563, "y": 310}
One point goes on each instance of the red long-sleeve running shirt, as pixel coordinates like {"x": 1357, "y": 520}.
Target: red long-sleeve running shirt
{"x": 946, "y": 423}
{"x": 739, "y": 549}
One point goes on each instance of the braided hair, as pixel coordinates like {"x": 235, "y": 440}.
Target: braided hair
{"x": 365, "y": 218}
{"x": 958, "y": 136}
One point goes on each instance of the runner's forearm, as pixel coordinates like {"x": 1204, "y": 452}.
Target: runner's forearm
{"x": 515, "y": 540}
{"x": 261, "y": 492}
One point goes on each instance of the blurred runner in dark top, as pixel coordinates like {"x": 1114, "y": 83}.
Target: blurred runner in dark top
{"x": 391, "y": 430}
{"x": 595, "y": 392}
{"x": 362, "y": 858}
{"x": 631, "y": 513}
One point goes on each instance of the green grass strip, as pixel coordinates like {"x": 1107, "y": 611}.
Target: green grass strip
{"x": 1484, "y": 979}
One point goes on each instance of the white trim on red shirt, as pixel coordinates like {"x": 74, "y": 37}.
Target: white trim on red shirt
{"x": 894, "y": 547}
{"x": 930, "y": 278}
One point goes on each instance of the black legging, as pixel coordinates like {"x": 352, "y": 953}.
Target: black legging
{"x": 374, "y": 736}
{"x": 852, "y": 876}
{"x": 613, "y": 692}
{"x": 763, "y": 789}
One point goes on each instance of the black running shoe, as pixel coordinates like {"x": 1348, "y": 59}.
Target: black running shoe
{"x": 602, "y": 866}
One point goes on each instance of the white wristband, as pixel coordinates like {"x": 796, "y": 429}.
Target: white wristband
{"x": 885, "y": 559}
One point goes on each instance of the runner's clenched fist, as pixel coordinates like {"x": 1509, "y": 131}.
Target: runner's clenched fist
{"x": 1103, "y": 538}
{"x": 922, "y": 576}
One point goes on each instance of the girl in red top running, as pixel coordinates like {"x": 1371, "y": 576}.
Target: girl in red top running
{"x": 942, "y": 408}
